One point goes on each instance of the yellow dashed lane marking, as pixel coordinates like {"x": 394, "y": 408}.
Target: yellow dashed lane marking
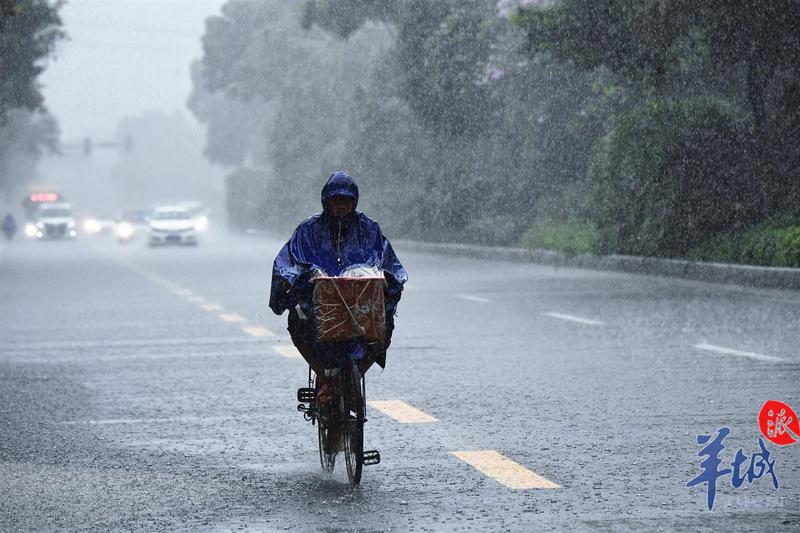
{"x": 232, "y": 317}
{"x": 211, "y": 307}
{"x": 257, "y": 331}
{"x": 290, "y": 352}
{"x": 401, "y": 411}
{"x": 499, "y": 467}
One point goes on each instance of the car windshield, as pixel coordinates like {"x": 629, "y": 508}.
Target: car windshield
{"x": 172, "y": 215}
{"x": 55, "y": 213}
{"x": 135, "y": 216}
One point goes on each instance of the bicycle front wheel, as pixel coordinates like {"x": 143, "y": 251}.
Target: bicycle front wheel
{"x": 326, "y": 435}
{"x": 353, "y": 411}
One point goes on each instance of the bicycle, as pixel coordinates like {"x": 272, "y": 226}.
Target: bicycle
{"x": 340, "y": 422}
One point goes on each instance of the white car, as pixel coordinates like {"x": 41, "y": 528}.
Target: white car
{"x": 53, "y": 221}
{"x": 172, "y": 225}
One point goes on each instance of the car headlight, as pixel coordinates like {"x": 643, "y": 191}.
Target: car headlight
{"x": 90, "y": 225}
{"x": 201, "y": 224}
{"x": 70, "y": 224}
{"x": 124, "y": 230}
{"x": 40, "y": 225}
{"x": 30, "y": 229}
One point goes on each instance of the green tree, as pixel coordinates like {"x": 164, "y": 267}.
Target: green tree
{"x": 278, "y": 101}
{"x": 746, "y": 51}
{"x": 499, "y": 130}
{"x": 669, "y": 177}
{"x": 29, "y": 30}
{"x": 453, "y": 133}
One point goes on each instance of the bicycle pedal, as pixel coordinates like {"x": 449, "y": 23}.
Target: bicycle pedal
{"x": 370, "y": 457}
{"x": 306, "y": 395}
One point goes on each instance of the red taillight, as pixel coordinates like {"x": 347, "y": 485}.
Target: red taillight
{"x": 44, "y": 197}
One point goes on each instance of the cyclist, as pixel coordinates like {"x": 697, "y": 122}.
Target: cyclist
{"x": 328, "y": 243}
{"x": 9, "y": 226}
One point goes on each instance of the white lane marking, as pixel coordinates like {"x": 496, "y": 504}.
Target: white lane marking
{"x": 472, "y": 298}
{"x": 170, "y": 420}
{"x": 577, "y": 319}
{"x": 232, "y": 317}
{"x": 211, "y": 307}
{"x": 738, "y": 353}
{"x": 57, "y": 359}
{"x": 195, "y": 299}
{"x": 502, "y": 469}
{"x": 18, "y": 347}
{"x": 289, "y": 352}
{"x": 401, "y": 411}
{"x": 258, "y": 331}
{"x": 165, "y": 284}
{"x": 182, "y": 292}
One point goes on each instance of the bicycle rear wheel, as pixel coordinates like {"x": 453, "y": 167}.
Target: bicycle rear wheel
{"x": 353, "y": 415}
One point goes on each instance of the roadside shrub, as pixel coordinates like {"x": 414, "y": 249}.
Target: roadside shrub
{"x": 498, "y": 230}
{"x": 669, "y": 174}
{"x": 568, "y": 237}
{"x": 765, "y": 245}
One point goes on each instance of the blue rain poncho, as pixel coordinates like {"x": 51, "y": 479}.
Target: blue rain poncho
{"x": 332, "y": 245}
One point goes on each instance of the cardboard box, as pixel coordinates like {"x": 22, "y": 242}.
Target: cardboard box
{"x": 345, "y": 308}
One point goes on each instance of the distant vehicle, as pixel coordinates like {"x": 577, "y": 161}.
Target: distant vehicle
{"x": 172, "y": 225}
{"x": 39, "y": 195}
{"x": 132, "y": 223}
{"x": 53, "y": 221}
{"x": 96, "y": 224}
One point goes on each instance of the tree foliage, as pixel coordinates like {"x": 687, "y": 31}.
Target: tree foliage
{"x": 666, "y": 121}
{"x": 442, "y": 50}
{"x": 453, "y": 133}
{"x": 669, "y": 176}
{"x": 668, "y": 53}
{"x": 29, "y": 30}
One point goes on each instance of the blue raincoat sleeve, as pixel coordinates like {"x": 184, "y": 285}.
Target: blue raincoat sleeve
{"x": 288, "y": 273}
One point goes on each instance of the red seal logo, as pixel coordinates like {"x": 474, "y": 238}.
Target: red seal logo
{"x": 778, "y": 423}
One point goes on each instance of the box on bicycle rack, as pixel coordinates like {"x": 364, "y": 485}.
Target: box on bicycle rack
{"x": 346, "y": 307}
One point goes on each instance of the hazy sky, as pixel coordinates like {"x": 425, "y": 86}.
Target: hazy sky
{"x": 123, "y": 57}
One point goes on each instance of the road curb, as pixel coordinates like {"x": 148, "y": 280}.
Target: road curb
{"x": 752, "y": 276}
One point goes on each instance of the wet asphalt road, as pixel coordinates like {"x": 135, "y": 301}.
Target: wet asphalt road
{"x": 135, "y": 394}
